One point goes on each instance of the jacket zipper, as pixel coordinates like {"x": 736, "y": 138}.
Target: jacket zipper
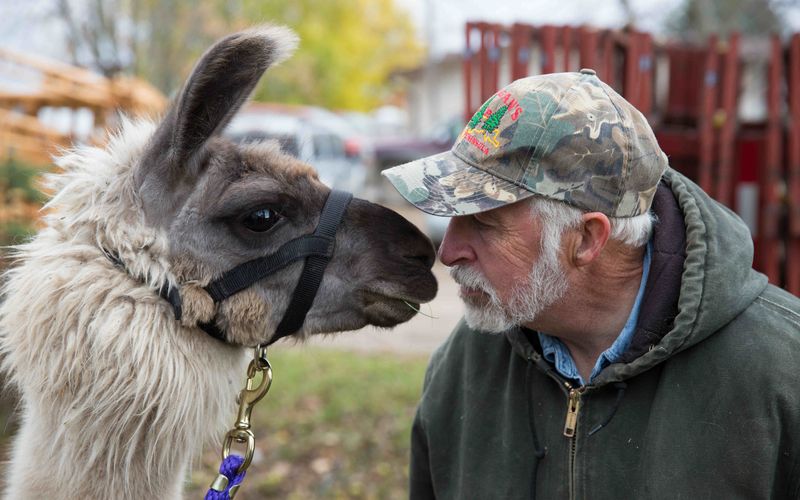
{"x": 570, "y": 430}
{"x": 573, "y": 406}
{"x": 571, "y": 423}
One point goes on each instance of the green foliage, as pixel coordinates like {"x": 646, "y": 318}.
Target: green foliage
{"x": 348, "y": 50}
{"x": 15, "y": 232}
{"x": 334, "y": 425}
{"x": 20, "y": 200}
{"x": 19, "y": 180}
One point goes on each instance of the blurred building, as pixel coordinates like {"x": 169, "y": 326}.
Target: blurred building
{"x": 46, "y": 105}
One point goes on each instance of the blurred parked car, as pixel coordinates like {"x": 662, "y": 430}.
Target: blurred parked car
{"x": 308, "y": 134}
{"x": 392, "y": 151}
{"x": 357, "y": 143}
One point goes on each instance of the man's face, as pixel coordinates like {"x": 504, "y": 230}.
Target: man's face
{"x": 508, "y": 274}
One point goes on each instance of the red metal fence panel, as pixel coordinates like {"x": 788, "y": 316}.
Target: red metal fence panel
{"x": 728, "y": 116}
{"x": 793, "y": 173}
{"x": 767, "y": 240}
{"x": 695, "y": 119}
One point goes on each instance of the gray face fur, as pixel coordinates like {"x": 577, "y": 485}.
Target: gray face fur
{"x": 200, "y": 188}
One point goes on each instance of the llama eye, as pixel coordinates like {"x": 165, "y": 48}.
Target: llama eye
{"x": 261, "y": 220}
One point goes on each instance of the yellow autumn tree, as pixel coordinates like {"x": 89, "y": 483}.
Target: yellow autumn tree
{"x": 348, "y": 50}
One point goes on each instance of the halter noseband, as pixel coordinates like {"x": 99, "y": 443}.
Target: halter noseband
{"x": 315, "y": 248}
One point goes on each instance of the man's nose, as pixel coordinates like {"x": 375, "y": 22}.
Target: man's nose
{"x": 455, "y": 247}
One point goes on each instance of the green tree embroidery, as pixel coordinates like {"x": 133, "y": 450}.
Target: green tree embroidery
{"x": 493, "y": 121}
{"x": 477, "y": 116}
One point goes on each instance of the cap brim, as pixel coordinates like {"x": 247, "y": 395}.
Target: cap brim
{"x": 446, "y": 185}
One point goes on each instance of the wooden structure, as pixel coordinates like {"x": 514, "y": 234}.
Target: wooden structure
{"x": 23, "y": 135}
{"x": 28, "y": 139}
{"x": 690, "y": 94}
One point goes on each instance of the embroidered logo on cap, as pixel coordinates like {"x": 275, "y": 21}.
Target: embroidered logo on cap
{"x": 485, "y": 121}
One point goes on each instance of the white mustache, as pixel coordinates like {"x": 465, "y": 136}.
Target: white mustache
{"x": 470, "y": 278}
{"x": 488, "y": 317}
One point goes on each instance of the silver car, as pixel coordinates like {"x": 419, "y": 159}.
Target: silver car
{"x": 300, "y": 136}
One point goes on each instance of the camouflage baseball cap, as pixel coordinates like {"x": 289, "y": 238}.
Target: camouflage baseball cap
{"x": 565, "y": 136}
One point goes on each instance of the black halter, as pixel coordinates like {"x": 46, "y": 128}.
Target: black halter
{"x": 316, "y": 248}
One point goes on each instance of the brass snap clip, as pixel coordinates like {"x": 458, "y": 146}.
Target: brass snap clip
{"x": 259, "y": 380}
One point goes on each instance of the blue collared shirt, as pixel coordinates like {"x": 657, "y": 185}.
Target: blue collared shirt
{"x": 557, "y": 353}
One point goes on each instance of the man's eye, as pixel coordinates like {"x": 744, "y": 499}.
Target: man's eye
{"x": 261, "y": 220}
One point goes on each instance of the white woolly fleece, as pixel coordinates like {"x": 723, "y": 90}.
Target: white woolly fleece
{"x": 117, "y": 396}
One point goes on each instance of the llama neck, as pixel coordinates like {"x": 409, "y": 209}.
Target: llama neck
{"x": 114, "y": 389}
{"x": 43, "y": 468}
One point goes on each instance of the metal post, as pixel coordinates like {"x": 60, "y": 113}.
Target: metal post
{"x": 631, "y": 86}
{"x": 467, "y": 71}
{"x": 610, "y": 76}
{"x": 647, "y": 68}
{"x": 708, "y": 101}
{"x": 770, "y": 173}
{"x": 521, "y": 36}
{"x": 548, "y": 45}
{"x": 793, "y": 175}
{"x": 483, "y": 63}
{"x": 727, "y": 133}
{"x": 495, "y": 54}
{"x": 566, "y": 40}
{"x": 588, "y": 46}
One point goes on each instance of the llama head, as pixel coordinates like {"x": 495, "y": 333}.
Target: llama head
{"x": 221, "y": 204}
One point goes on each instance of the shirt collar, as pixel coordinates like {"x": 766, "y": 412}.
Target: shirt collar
{"x": 557, "y": 353}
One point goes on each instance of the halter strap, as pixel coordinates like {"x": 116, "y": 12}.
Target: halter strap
{"x": 311, "y": 278}
{"x": 317, "y": 250}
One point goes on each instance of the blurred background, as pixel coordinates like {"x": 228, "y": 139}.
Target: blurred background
{"x": 376, "y": 83}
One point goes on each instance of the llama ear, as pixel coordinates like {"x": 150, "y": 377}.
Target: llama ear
{"x": 219, "y": 84}
{"x": 222, "y": 81}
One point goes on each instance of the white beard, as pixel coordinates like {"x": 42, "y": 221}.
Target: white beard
{"x": 546, "y": 284}
{"x": 488, "y": 317}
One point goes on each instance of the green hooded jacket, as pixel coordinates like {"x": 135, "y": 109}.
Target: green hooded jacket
{"x": 704, "y": 405}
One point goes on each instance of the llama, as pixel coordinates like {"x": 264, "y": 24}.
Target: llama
{"x": 118, "y": 391}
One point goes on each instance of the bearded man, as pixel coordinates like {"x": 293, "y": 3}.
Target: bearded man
{"x": 616, "y": 341}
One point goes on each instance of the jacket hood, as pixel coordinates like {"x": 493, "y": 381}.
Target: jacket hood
{"x": 717, "y": 282}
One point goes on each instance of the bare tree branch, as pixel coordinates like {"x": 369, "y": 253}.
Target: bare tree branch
{"x": 630, "y": 14}
{"x": 64, "y": 11}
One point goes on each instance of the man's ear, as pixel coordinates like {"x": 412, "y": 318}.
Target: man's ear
{"x": 219, "y": 85}
{"x": 592, "y": 237}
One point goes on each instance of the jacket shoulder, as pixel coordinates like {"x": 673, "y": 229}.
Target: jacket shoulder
{"x": 774, "y": 318}
{"x": 763, "y": 341}
{"x": 780, "y": 305}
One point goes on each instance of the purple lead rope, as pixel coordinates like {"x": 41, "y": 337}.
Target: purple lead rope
{"x": 229, "y": 468}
